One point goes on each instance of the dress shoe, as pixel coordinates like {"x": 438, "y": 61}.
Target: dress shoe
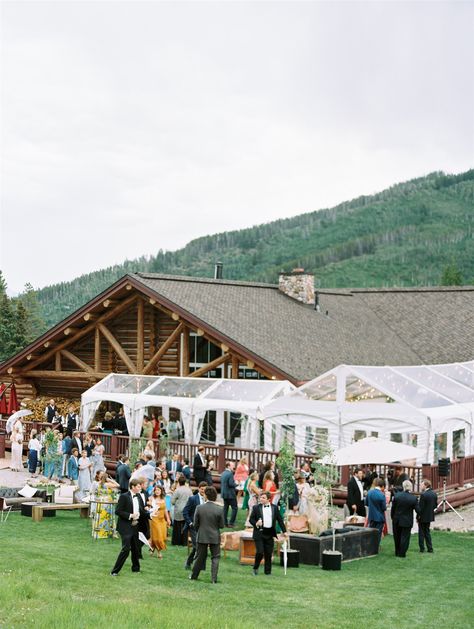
{"x": 422, "y": 550}
{"x": 187, "y": 566}
{"x": 191, "y": 578}
{"x": 254, "y": 572}
{"x": 214, "y": 581}
{"x": 114, "y": 574}
{"x": 136, "y": 571}
{"x": 231, "y": 526}
{"x": 430, "y": 550}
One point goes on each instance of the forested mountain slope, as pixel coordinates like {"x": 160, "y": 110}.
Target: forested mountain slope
{"x": 404, "y": 236}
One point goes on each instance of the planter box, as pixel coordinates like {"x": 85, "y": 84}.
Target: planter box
{"x": 293, "y": 558}
{"x": 352, "y": 545}
{"x": 331, "y": 560}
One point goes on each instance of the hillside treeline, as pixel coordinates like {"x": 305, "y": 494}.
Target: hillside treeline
{"x": 417, "y": 233}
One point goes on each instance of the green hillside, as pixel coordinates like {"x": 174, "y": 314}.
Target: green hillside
{"x": 404, "y": 236}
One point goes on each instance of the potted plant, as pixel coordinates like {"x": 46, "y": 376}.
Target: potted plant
{"x": 286, "y": 465}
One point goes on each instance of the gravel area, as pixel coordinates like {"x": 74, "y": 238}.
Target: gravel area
{"x": 448, "y": 521}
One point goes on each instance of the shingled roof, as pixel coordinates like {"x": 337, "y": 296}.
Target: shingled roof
{"x": 365, "y": 327}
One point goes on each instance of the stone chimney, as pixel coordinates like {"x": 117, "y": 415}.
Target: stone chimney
{"x": 298, "y": 285}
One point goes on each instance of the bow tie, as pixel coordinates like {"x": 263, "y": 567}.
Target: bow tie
{"x": 266, "y": 506}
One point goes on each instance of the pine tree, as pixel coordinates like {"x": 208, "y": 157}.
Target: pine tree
{"x": 35, "y": 323}
{"x": 20, "y": 328}
{"x": 452, "y": 276}
{"x": 7, "y": 322}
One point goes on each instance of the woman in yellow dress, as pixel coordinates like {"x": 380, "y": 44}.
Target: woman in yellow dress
{"x": 159, "y": 522}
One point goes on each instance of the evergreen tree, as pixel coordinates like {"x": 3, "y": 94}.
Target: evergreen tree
{"x": 20, "y": 328}
{"x": 451, "y": 276}
{"x": 35, "y": 322}
{"x": 7, "y": 322}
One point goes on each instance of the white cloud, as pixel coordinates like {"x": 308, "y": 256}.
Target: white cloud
{"x": 133, "y": 126}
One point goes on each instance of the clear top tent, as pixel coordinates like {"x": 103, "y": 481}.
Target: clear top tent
{"x": 430, "y": 405}
{"x": 192, "y": 396}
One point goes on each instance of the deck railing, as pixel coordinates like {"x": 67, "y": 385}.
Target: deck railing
{"x": 462, "y": 470}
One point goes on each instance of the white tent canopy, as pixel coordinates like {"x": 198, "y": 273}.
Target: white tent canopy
{"x": 192, "y": 396}
{"x": 374, "y": 450}
{"x": 425, "y": 401}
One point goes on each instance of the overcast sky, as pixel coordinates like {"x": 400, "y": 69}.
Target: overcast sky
{"x": 127, "y": 127}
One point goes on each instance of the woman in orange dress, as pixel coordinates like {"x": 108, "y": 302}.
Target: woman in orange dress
{"x": 269, "y": 484}
{"x": 159, "y": 522}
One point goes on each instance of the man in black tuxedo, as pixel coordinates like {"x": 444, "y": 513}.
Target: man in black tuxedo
{"x": 403, "y": 505}
{"x": 144, "y": 519}
{"x": 208, "y": 520}
{"x": 355, "y": 493}
{"x": 129, "y": 508}
{"x": 427, "y": 505}
{"x": 188, "y": 515}
{"x": 200, "y": 465}
{"x": 123, "y": 473}
{"x": 77, "y": 441}
{"x": 263, "y": 518}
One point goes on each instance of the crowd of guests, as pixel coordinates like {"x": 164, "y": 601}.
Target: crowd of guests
{"x": 163, "y": 486}
{"x": 370, "y": 496}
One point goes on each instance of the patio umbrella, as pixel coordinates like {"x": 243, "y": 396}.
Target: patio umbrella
{"x": 285, "y": 555}
{"x": 11, "y": 420}
{"x": 3, "y": 399}
{"x": 13, "y": 400}
{"x": 374, "y": 450}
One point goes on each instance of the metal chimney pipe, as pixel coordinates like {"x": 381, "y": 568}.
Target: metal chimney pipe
{"x": 218, "y": 271}
{"x": 317, "y": 307}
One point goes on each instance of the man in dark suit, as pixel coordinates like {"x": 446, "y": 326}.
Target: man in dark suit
{"x": 129, "y": 508}
{"x": 71, "y": 421}
{"x": 173, "y": 466}
{"x": 188, "y": 515}
{"x": 144, "y": 519}
{"x": 427, "y": 505}
{"x": 186, "y": 470}
{"x": 123, "y": 473}
{"x": 355, "y": 493}
{"x": 403, "y": 505}
{"x": 263, "y": 518}
{"x": 228, "y": 495}
{"x": 77, "y": 441}
{"x": 208, "y": 520}
{"x": 200, "y": 465}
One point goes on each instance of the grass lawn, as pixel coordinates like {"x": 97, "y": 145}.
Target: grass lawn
{"x": 52, "y": 574}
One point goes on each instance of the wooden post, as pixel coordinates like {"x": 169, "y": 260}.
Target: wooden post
{"x": 344, "y": 474}
{"x": 97, "y": 350}
{"x": 185, "y": 351}
{"x": 221, "y": 459}
{"x": 117, "y": 347}
{"x": 212, "y": 365}
{"x": 114, "y": 447}
{"x": 235, "y": 367}
{"x": 75, "y": 360}
{"x": 140, "y": 336}
{"x": 57, "y": 361}
{"x": 163, "y": 349}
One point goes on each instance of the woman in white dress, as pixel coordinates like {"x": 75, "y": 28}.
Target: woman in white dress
{"x": 84, "y": 480}
{"x": 16, "y": 441}
{"x": 303, "y": 489}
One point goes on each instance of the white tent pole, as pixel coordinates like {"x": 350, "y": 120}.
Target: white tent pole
{"x": 428, "y": 443}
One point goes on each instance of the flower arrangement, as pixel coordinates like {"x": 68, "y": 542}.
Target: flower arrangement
{"x": 318, "y": 512}
{"x": 318, "y": 496}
